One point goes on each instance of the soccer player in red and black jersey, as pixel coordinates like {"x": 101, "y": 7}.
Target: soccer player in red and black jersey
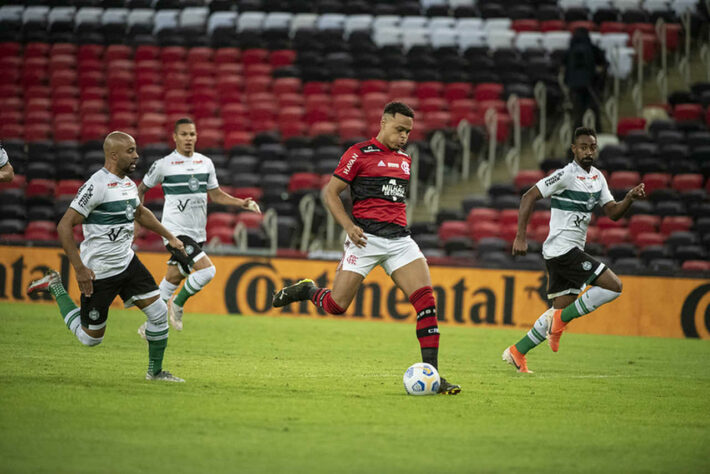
{"x": 377, "y": 172}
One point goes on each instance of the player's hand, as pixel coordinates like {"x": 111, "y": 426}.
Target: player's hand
{"x": 520, "y": 245}
{"x": 357, "y": 236}
{"x": 85, "y": 277}
{"x": 177, "y": 244}
{"x": 638, "y": 192}
{"x": 251, "y": 205}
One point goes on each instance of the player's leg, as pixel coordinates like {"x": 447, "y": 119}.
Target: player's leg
{"x": 156, "y": 333}
{"x": 409, "y": 270}
{"x": 167, "y": 287}
{"x": 139, "y": 289}
{"x": 87, "y": 323}
{"x": 355, "y": 265}
{"x": 581, "y": 269}
{"x": 203, "y": 272}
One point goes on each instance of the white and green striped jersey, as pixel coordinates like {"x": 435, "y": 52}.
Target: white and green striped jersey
{"x": 108, "y": 204}
{"x": 185, "y": 182}
{"x": 574, "y": 193}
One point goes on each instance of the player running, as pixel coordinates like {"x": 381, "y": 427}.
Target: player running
{"x": 377, "y": 172}
{"x": 106, "y": 206}
{"x": 575, "y": 190}
{"x": 187, "y": 178}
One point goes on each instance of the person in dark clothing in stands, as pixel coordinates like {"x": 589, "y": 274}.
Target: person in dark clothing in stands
{"x": 584, "y": 66}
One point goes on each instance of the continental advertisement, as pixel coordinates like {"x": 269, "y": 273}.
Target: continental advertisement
{"x": 474, "y": 297}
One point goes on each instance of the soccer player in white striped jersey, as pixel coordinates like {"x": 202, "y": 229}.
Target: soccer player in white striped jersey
{"x": 107, "y": 206}
{"x": 574, "y": 191}
{"x": 187, "y": 179}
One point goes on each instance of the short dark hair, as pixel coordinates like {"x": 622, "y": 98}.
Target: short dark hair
{"x": 579, "y": 131}
{"x": 183, "y": 121}
{"x": 394, "y": 108}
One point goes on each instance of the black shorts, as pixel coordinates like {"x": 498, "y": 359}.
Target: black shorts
{"x": 132, "y": 284}
{"x": 568, "y": 273}
{"x": 185, "y": 262}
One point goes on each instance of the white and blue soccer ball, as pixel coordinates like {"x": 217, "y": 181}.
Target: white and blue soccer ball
{"x": 422, "y": 379}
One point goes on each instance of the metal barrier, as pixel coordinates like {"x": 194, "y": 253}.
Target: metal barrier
{"x": 684, "y": 64}
{"x": 662, "y": 76}
{"x": 539, "y": 144}
{"x": 485, "y": 167}
{"x": 438, "y": 149}
{"x": 413, "y": 200}
{"x": 611, "y": 106}
{"x": 240, "y": 236}
{"x": 271, "y": 227}
{"x": 512, "y": 157}
{"x": 307, "y": 208}
{"x": 637, "y": 90}
{"x": 463, "y": 130}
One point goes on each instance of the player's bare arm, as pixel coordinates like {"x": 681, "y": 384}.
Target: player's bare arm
{"x": 527, "y": 203}
{"x": 65, "y": 229}
{"x": 616, "y": 210}
{"x": 142, "y": 189}
{"x": 7, "y": 173}
{"x": 331, "y": 195}
{"x": 147, "y": 219}
{"x": 218, "y": 196}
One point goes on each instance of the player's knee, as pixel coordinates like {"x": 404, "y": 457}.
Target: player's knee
{"x": 205, "y": 275}
{"x": 88, "y": 340}
{"x": 615, "y": 284}
{"x": 157, "y": 312}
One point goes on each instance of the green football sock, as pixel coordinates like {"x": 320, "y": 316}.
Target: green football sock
{"x": 185, "y": 292}
{"x": 156, "y": 351}
{"x": 65, "y": 303}
{"x": 535, "y": 336}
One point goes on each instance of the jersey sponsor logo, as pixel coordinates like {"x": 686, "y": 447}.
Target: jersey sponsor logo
{"x": 177, "y": 162}
{"x": 350, "y": 164}
{"x": 112, "y": 185}
{"x": 554, "y": 178}
{"x": 197, "y": 162}
{"x": 193, "y": 183}
{"x": 586, "y": 266}
{"x": 113, "y": 234}
{"x": 182, "y": 205}
{"x": 152, "y": 168}
{"x": 381, "y": 163}
{"x": 579, "y": 220}
{"x": 405, "y": 167}
{"x": 393, "y": 190}
{"x": 581, "y": 177}
{"x": 84, "y": 199}
{"x": 370, "y": 149}
{"x": 393, "y": 165}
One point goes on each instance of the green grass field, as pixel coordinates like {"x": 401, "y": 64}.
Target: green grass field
{"x": 307, "y": 395}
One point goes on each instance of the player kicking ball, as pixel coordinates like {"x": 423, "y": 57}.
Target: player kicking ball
{"x": 377, "y": 172}
{"x": 187, "y": 179}
{"x": 106, "y": 206}
{"x": 574, "y": 191}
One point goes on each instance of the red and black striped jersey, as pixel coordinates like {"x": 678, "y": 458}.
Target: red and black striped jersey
{"x": 379, "y": 182}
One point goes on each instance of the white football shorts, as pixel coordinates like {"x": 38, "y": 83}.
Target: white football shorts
{"x": 390, "y": 253}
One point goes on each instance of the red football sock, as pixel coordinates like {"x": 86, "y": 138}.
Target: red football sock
{"x": 323, "y": 299}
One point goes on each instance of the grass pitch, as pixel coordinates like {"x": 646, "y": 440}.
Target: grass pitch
{"x": 314, "y": 395}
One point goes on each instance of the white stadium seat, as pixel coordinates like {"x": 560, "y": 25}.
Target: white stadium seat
{"x": 194, "y": 18}
{"x": 165, "y": 19}
{"x": 303, "y": 21}
{"x": 498, "y": 39}
{"x": 387, "y": 37}
{"x": 250, "y": 21}
{"x": 440, "y": 22}
{"x": 444, "y": 37}
{"x": 556, "y": 40}
{"x": 414, "y": 22}
{"x": 471, "y": 39}
{"x": 331, "y": 21}
{"x": 528, "y": 40}
{"x": 221, "y": 20}
{"x": 278, "y": 21}
{"x": 415, "y": 37}
{"x": 91, "y": 16}
{"x": 361, "y": 22}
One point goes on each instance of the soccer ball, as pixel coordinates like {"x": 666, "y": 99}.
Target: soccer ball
{"x": 422, "y": 379}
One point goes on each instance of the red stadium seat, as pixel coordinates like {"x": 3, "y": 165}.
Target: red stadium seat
{"x": 540, "y": 218}
{"x": 12, "y": 131}
{"x": 604, "y": 223}
{"x": 227, "y": 55}
{"x": 436, "y": 120}
{"x": 527, "y": 178}
{"x": 117, "y": 51}
{"x": 40, "y": 187}
{"x": 696, "y": 265}
{"x": 402, "y": 88}
{"x": 37, "y": 132}
{"x": 352, "y": 128}
{"x": 344, "y": 102}
{"x": 66, "y": 132}
{"x": 282, "y": 57}
{"x": 224, "y": 235}
{"x": 687, "y": 182}
{"x": 480, "y": 230}
{"x": 374, "y": 101}
{"x": 316, "y": 87}
{"x": 686, "y": 112}
{"x": 525, "y": 25}
{"x": 508, "y": 232}
{"x": 451, "y": 229}
{"x": 221, "y": 219}
{"x": 254, "y": 56}
{"x": 286, "y": 85}
{"x": 612, "y": 27}
{"x": 528, "y": 112}
{"x": 482, "y": 214}
{"x": 345, "y": 86}
{"x": 653, "y": 181}
{"x": 624, "y": 179}
{"x": 373, "y": 85}
{"x": 90, "y": 51}
{"x": 487, "y": 91}
{"x": 242, "y": 193}
{"x": 251, "y": 220}
{"x": 593, "y": 233}
{"x": 457, "y": 90}
{"x": 509, "y": 216}
{"x": 587, "y": 25}
{"x": 643, "y": 223}
{"x": 210, "y": 138}
{"x": 36, "y": 49}
{"x": 613, "y": 236}
{"x": 630, "y": 123}
{"x": 671, "y": 224}
{"x": 67, "y": 187}
{"x": 428, "y": 89}
{"x": 645, "y": 239}
{"x": 237, "y": 137}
